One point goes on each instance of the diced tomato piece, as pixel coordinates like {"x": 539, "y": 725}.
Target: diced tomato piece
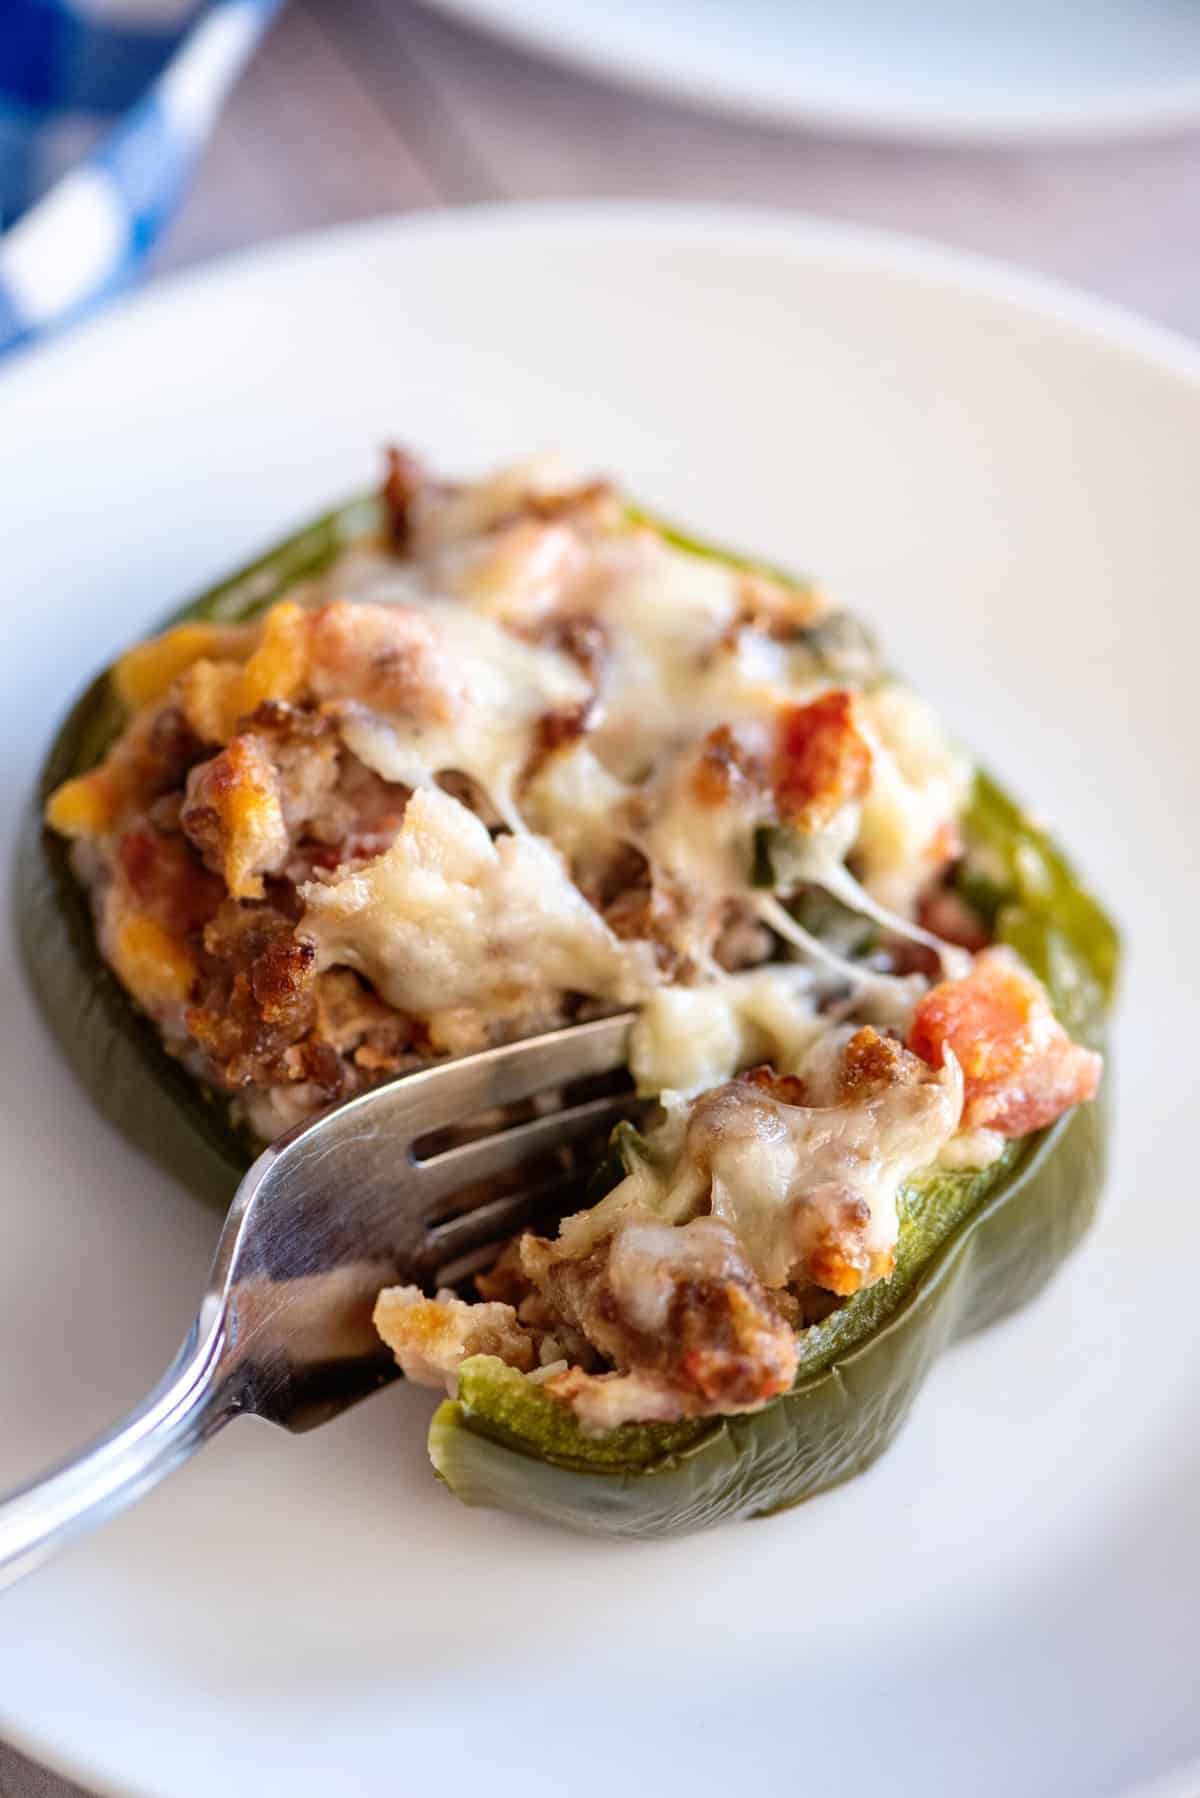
{"x": 167, "y": 880}
{"x": 1020, "y": 1068}
{"x": 822, "y": 760}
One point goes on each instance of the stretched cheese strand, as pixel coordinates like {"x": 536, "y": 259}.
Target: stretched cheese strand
{"x": 840, "y": 884}
{"x": 784, "y": 925}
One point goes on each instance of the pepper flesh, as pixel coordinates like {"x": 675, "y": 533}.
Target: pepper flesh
{"x": 972, "y": 1248}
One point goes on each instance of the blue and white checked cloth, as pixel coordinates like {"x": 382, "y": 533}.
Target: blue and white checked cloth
{"x": 104, "y": 105}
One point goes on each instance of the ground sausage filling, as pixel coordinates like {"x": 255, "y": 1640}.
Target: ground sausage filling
{"x": 525, "y": 758}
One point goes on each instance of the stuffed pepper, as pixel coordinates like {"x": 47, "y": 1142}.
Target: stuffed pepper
{"x": 465, "y": 762}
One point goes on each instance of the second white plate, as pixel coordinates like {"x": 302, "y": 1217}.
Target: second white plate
{"x": 958, "y": 70}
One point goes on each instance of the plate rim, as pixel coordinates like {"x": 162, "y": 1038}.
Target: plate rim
{"x": 1104, "y": 323}
{"x": 920, "y": 256}
{"x": 1133, "y": 112}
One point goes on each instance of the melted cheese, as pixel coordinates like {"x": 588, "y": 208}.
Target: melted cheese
{"x": 506, "y": 687}
{"x": 818, "y": 858}
{"x": 857, "y": 976}
{"x": 838, "y": 881}
{"x": 784, "y": 1177}
{"x": 971, "y": 1150}
{"x": 677, "y": 669}
{"x": 480, "y": 506}
{"x": 446, "y": 918}
{"x": 709, "y": 847}
{"x": 676, "y": 665}
{"x": 574, "y": 800}
{"x": 792, "y": 1181}
{"x": 919, "y": 783}
{"x": 522, "y": 574}
{"x": 687, "y": 1039}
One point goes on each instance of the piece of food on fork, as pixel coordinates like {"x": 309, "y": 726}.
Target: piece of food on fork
{"x": 475, "y": 761}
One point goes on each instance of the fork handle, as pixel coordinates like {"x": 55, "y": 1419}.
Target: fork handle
{"x": 189, "y": 1404}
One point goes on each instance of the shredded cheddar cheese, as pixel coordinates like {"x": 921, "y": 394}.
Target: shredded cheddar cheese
{"x": 156, "y": 967}
{"x": 148, "y": 670}
{"x": 82, "y": 807}
{"x": 277, "y": 668}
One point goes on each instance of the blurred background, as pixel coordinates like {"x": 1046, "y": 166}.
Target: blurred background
{"x": 1063, "y": 135}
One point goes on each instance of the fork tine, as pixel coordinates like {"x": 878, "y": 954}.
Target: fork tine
{"x": 342, "y": 1198}
{"x": 450, "y": 1091}
{"x": 506, "y": 1149}
{"x": 487, "y": 1226}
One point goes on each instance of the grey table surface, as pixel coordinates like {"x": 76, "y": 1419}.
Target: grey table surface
{"x": 358, "y": 107}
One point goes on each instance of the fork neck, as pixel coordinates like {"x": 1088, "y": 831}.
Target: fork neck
{"x": 191, "y": 1402}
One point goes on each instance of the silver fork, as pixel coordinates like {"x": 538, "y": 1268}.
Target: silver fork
{"x": 337, "y": 1208}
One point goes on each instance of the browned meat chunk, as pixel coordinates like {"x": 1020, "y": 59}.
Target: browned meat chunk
{"x": 680, "y": 1314}
{"x": 404, "y": 482}
{"x": 429, "y": 1337}
{"x": 233, "y": 813}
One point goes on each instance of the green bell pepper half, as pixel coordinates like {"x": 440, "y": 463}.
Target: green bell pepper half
{"x": 115, "y": 1051}
{"x": 973, "y": 1246}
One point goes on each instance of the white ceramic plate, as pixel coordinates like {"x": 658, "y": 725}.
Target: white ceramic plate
{"x": 959, "y": 70}
{"x": 1004, "y": 477}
